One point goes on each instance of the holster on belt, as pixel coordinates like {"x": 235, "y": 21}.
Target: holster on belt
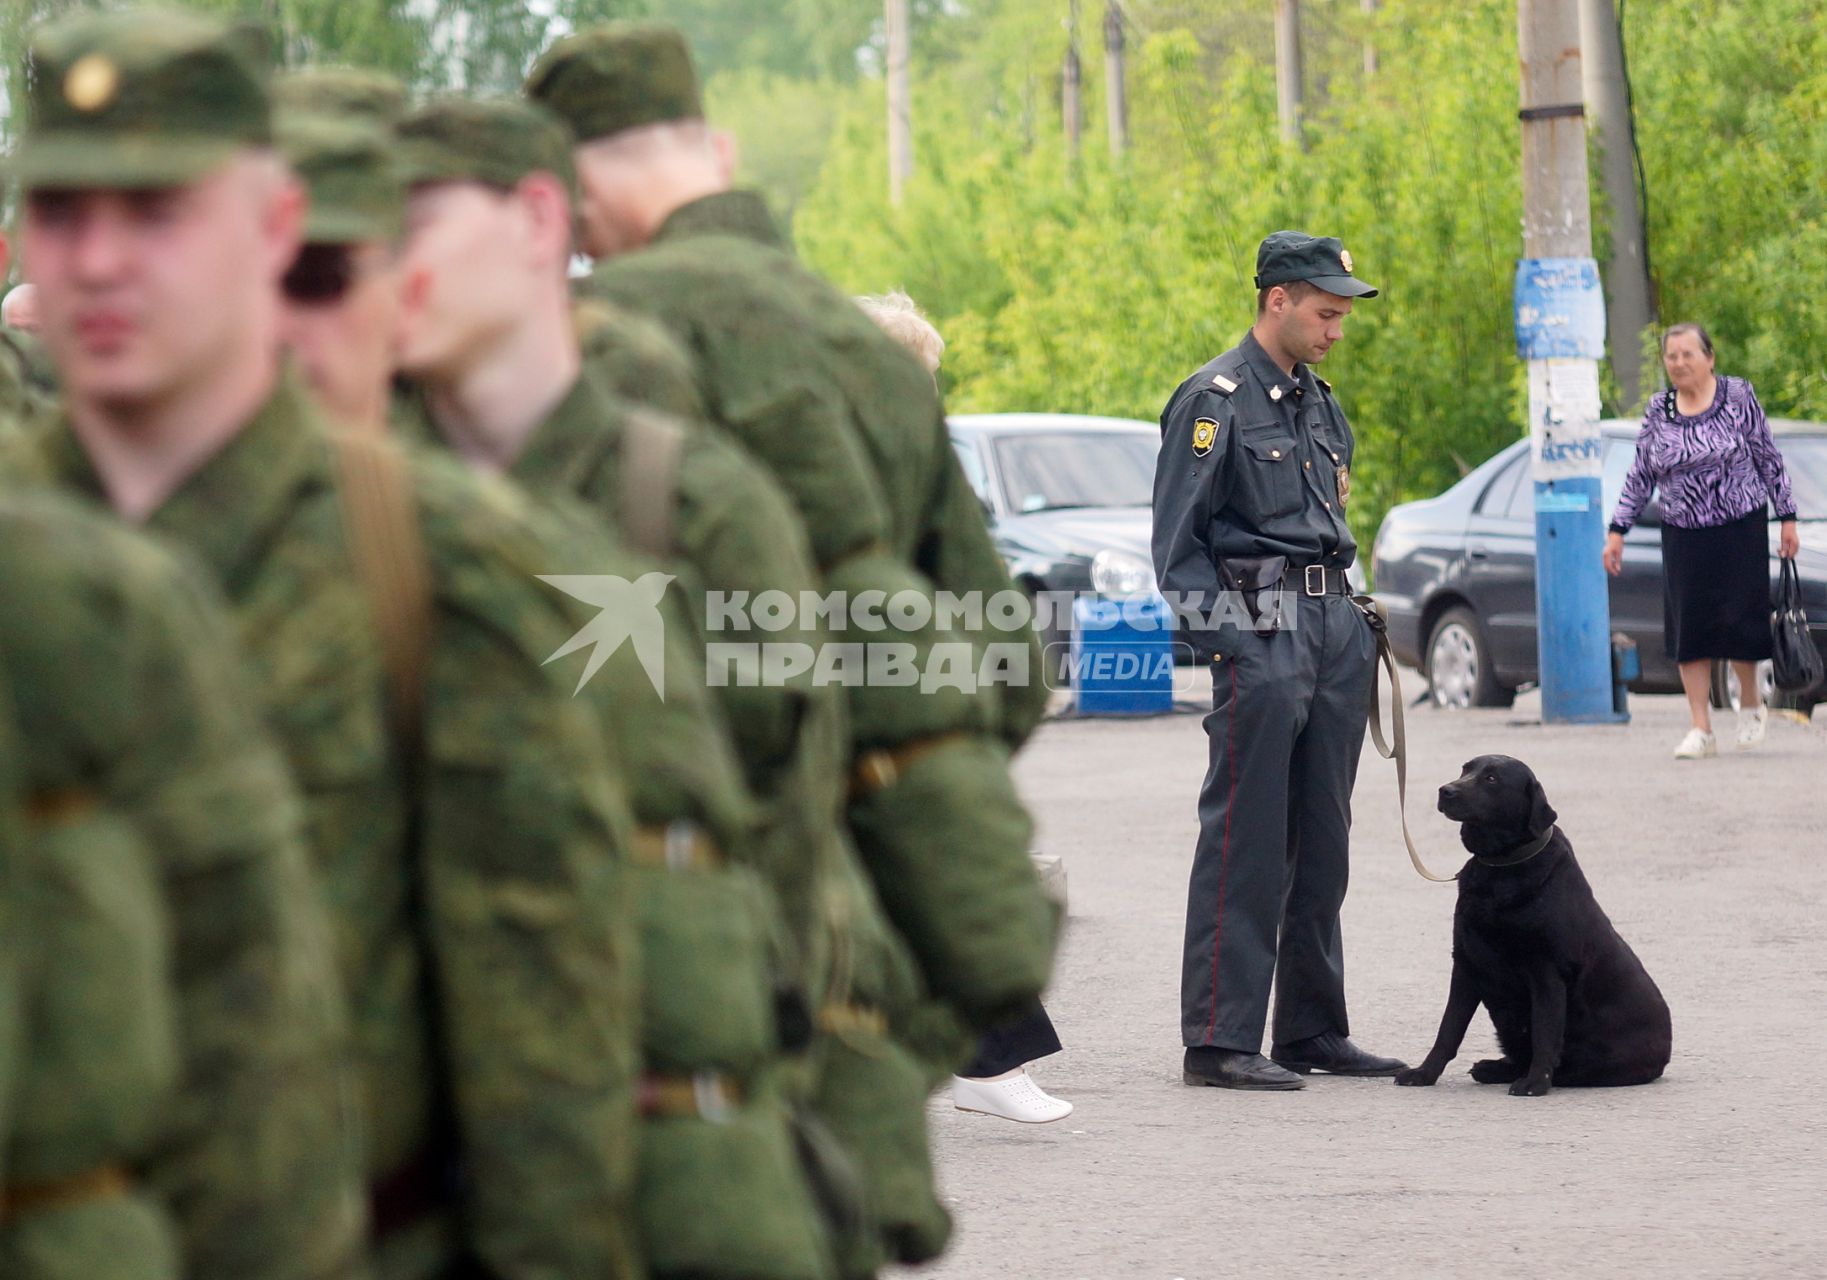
{"x": 1257, "y": 582}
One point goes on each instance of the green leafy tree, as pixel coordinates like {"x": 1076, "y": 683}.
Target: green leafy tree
{"x": 1095, "y": 288}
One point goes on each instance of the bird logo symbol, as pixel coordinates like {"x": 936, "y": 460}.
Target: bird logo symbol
{"x": 630, "y": 612}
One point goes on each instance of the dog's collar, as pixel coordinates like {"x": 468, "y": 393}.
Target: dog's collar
{"x": 1520, "y": 854}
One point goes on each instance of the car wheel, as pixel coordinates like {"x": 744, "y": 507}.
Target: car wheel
{"x": 1055, "y": 639}
{"x": 1727, "y": 696}
{"x": 1459, "y": 664}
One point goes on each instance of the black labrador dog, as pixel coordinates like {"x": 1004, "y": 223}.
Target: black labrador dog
{"x": 1571, "y": 1002}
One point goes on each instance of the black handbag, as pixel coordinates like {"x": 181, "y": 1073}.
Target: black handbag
{"x": 1796, "y": 662}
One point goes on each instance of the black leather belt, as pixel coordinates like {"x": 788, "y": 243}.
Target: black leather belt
{"x": 1317, "y": 580}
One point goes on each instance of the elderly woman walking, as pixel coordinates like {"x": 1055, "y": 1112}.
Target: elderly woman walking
{"x": 1706, "y": 446}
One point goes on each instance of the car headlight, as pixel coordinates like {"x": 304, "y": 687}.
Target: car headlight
{"x": 1120, "y": 574}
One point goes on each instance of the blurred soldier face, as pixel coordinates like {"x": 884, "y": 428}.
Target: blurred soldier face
{"x": 147, "y": 296}
{"x": 632, "y": 182}
{"x": 1305, "y": 329}
{"x": 342, "y": 308}
{"x": 478, "y": 263}
{"x": 464, "y": 266}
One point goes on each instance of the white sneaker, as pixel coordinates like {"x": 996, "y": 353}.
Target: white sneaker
{"x": 1017, "y": 1098}
{"x": 1698, "y": 745}
{"x": 1751, "y": 725}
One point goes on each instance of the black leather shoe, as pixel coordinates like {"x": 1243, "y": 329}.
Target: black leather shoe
{"x": 1334, "y": 1054}
{"x": 1234, "y": 1069}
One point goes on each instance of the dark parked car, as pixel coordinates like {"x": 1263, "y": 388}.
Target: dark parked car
{"x": 1068, "y": 498}
{"x": 1457, "y": 572}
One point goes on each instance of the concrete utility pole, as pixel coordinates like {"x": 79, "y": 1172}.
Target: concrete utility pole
{"x": 1561, "y": 333}
{"x": 1370, "y": 46}
{"x": 1072, "y": 80}
{"x": 1288, "y": 76}
{"x": 1116, "y": 88}
{"x": 900, "y": 101}
{"x": 1630, "y": 307}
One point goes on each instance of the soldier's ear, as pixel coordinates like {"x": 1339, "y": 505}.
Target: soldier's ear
{"x": 723, "y": 144}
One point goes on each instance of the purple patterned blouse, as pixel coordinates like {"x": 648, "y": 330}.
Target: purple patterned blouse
{"x": 1713, "y": 468}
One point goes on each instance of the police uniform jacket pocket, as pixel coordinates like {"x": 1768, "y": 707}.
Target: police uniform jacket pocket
{"x": 1268, "y": 478}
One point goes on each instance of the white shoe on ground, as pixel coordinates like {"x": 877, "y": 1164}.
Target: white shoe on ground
{"x": 1698, "y": 745}
{"x": 1015, "y": 1098}
{"x": 1751, "y": 725}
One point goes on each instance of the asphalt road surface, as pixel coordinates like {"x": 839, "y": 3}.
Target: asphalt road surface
{"x": 1715, "y": 873}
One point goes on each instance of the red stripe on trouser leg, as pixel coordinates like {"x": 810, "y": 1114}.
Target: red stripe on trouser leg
{"x": 1224, "y": 850}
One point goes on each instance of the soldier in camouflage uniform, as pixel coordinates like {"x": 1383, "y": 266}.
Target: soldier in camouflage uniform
{"x": 850, "y": 425}
{"x": 710, "y": 509}
{"x": 465, "y": 811}
{"x": 181, "y": 1101}
{"x": 710, "y": 1028}
{"x": 791, "y": 370}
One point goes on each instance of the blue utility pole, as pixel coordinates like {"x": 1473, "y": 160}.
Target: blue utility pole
{"x": 1560, "y": 332}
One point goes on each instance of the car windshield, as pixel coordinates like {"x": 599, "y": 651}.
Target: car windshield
{"x": 1044, "y": 471}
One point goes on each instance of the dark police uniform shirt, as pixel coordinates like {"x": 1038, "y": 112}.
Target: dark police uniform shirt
{"x": 1253, "y": 463}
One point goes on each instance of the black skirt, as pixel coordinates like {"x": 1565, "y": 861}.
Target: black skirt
{"x": 1716, "y": 590}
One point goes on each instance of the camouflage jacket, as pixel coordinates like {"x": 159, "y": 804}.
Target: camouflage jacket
{"x": 735, "y": 535}
{"x": 147, "y": 776}
{"x": 28, "y": 386}
{"x": 480, "y": 925}
{"x": 635, "y": 359}
{"x": 849, "y": 421}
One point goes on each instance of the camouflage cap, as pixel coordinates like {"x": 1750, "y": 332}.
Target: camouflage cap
{"x": 142, "y": 98}
{"x": 342, "y": 92}
{"x": 350, "y": 170}
{"x": 496, "y": 142}
{"x": 617, "y": 77}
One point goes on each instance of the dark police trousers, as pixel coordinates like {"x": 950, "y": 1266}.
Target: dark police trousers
{"x": 1286, "y": 727}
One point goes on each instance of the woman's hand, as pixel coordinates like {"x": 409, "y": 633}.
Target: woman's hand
{"x": 1790, "y": 541}
{"x": 1614, "y": 553}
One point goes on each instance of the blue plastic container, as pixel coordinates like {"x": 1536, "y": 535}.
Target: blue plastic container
{"x": 1122, "y": 657}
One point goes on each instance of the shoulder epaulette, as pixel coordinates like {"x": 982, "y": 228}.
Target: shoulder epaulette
{"x": 1224, "y": 384}
{"x": 1322, "y": 382}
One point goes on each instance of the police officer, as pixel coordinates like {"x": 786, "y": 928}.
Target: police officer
{"x": 1251, "y": 546}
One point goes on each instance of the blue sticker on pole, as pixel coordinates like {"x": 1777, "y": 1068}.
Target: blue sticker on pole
{"x": 1562, "y": 503}
{"x": 1560, "y": 309}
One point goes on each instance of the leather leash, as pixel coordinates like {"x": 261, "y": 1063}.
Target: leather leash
{"x": 1394, "y": 747}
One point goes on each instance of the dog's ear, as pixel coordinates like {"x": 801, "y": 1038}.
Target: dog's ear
{"x": 1541, "y": 813}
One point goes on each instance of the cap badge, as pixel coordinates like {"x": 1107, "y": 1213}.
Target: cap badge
{"x": 1345, "y": 260}
{"x": 91, "y": 82}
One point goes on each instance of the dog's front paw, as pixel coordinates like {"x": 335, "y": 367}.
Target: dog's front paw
{"x": 1421, "y": 1075}
{"x": 1496, "y": 1071}
{"x": 1531, "y": 1087}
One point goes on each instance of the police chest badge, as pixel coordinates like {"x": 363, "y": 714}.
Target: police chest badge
{"x": 1205, "y": 433}
{"x": 1344, "y": 485}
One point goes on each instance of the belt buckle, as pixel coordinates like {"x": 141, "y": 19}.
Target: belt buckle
{"x": 1307, "y": 580}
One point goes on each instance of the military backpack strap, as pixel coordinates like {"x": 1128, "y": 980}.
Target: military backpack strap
{"x": 381, "y": 521}
{"x": 649, "y": 497}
